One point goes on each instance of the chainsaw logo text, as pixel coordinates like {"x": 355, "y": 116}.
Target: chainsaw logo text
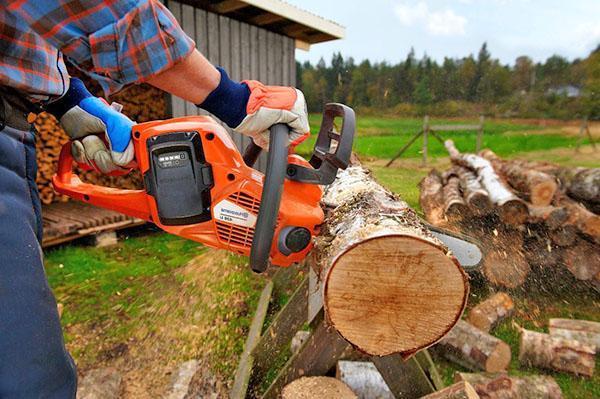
{"x": 229, "y": 212}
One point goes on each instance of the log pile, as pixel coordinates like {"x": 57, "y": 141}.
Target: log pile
{"x": 141, "y": 103}
{"x": 532, "y": 219}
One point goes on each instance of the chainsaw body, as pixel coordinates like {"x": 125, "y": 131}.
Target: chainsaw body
{"x": 198, "y": 186}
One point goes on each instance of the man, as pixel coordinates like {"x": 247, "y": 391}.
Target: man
{"x": 117, "y": 42}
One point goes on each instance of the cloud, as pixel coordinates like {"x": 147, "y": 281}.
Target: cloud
{"x": 439, "y": 23}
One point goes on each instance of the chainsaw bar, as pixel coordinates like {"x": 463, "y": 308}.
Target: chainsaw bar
{"x": 466, "y": 249}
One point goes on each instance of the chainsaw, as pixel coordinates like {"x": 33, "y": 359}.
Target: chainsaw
{"x": 197, "y": 185}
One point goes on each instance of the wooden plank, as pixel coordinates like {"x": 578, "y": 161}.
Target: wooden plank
{"x": 212, "y": 22}
{"x": 292, "y": 61}
{"x": 285, "y": 61}
{"x": 430, "y": 369}
{"x": 279, "y": 334}
{"x": 278, "y": 64}
{"x": 236, "y": 50}
{"x": 245, "y": 58}
{"x": 403, "y": 149}
{"x": 265, "y": 19}
{"x": 315, "y": 295}
{"x": 177, "y": 104}
{"x": 201, "y": 31}
{"x": 316, "y": 357}
{"x": 405, "y": 379}
{"x": 271, "y": 65}
{"x": 188, "y": 24}
{"x": 262, "y": 56}
{"x": 242, "y": 373}
{"x": 229, "y": 6}
{"x": 224, "y": 43}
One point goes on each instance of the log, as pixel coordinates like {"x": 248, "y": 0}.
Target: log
{"x": 475, "y": 195}
{"x": 512, "y": 209}
{"x": 582, "y": 184}
{"x": 545, "y": 351}
{"x": 389, "y": 286}
{"x": 551, "y": 216}
{"x": 363, "y": 379}
{"x": 455, "y": 207}
{"x": 487, "y": 314}
{"x": 317, "y": 387}
{"x": 585, "y": 331}
{"x": 459, "y": 390}
{"x": 432, "y": 198}
{"x": 505, "y": 264}
{"x": 564, "y": 236}
{"x": 583, "y": 260}
{"x": 537, "y": 187}
{"x": 474, "y": 349}
{"x": 587, "y": 222}
{"x": 502, "y": 386}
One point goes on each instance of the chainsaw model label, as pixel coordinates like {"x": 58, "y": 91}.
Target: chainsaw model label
{"x": 229, "y": 212}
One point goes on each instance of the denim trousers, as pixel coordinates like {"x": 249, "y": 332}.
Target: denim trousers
{"x": 33, "y": 360}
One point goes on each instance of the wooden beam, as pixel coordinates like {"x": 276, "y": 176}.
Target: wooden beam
{"x": 265, "y": 19}
{"x": 229, "y": 6}
{"x": 302, "y": 45}
{"x": 405, "y": 379}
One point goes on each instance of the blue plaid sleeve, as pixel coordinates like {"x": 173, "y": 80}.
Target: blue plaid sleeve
{"x": 116, "y": 42}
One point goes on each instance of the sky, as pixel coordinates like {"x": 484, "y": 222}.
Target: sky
{"x": 385, "y": 30}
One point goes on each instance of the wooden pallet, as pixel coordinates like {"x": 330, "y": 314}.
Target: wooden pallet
{"x": 67, "y": 221}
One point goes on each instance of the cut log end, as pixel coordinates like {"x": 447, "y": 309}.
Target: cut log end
{"x": 506, "y": 269}
{"x": 514, "y": 212}
{"x": 543, "y": 192}
{"x": 317, "y": 387}
{"x": 384, "y": 311}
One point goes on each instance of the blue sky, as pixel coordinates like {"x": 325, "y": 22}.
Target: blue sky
{"x": 386, "y": 29}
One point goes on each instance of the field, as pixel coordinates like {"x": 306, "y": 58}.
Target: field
{"x": 143, "y": 307}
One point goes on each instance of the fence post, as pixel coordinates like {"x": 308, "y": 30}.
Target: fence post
{"x": 425, "y": 138}
{"x": 479, "y": 135}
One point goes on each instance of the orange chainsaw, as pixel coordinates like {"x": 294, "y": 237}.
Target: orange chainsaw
{"x": 198, "y": 185}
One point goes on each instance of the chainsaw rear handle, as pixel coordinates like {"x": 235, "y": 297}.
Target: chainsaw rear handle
{"x": 271, "y": 194}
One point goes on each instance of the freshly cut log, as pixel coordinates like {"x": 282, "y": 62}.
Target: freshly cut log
{"x": 455, "y": 207}
{"x": 501, "y": 386}
{"x": 474, "y": 193}
{"x": 553, "y": 217}
{"x": 545, "y": 351}
{"x": 317, "y": 387}
{"x": 564, "y": 236}
{"x": 363, "y": 379}
{"x": 474, "y": 349}
{"x": 512, "y": 209}
{"x": 460, "y": 390}
{"x": 487, "y": 314}
{"x": 538, "y": 187}
{"x": 587, "y": 222}
{"x": 583, "y": 260}
{"x": 432, "y": 198}
{"x": 389, "y": 286}
{"x": 505, "y": 264}
{"x": 585, "y": 331}
{"x": 582, "y": 184}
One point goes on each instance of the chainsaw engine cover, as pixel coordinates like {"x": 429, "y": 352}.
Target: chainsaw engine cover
{"x": 179, "y": 178}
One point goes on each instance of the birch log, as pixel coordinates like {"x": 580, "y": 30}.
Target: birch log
{"x": 389, "y": 286}
{"x": 490, "y": 312}
{"x": 459, "y": 390}
{"x": 474, "y": 349}
{"x": 432, "y": 198}
{"x": 475, "y": 195}
{"x": 585, "y": 331}
{"x": 455, "y": 206}
{"x": 545, "y": 351}
{"x": 502, "y": 386}
{"x": 537, "y": 187}
{"x": 512, "y": 209}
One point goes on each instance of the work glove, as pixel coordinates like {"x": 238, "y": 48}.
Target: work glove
{"x": 100, "y": 133}
{"x": 251, "y": 108}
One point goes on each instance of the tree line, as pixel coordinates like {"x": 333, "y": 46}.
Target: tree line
{"x": 555, "y": 88}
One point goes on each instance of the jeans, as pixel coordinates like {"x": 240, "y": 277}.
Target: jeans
{"x": 33, "y": 360}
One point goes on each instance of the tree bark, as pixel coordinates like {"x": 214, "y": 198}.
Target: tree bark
{"x": 487, "y": 314}
{"x": 585, "y": 331}
{"x": 432, "y": 198}
{"x": 363, "y": 378}
{"x": 537, "y": 187}
{"x": 317, "y": 387}
{"x": 582, "y": 184}
{"x": 474, "y": 349}
{"x": 389, "y": 286}
{"x": 501, "y": 386}
{"x": 544, "y": 351}
{"x": 512, "y": 210}
{"x": 583, "y": 260}
{"x": 455, "y": 206}
{"x": 460, "y": 390}
{"x": 552, "y": 217}
{"x": 587, "y": 222}
{"x": 475, "y": 195}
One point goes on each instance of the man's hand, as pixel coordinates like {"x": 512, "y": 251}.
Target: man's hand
{"x": 269, "y": 105}
{"x": 251, "y": 108}
{"x": 101, "y": 135}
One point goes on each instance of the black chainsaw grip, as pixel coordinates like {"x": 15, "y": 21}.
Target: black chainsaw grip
{"x": 270, "y": 198}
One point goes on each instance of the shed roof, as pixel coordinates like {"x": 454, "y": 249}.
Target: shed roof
{"x": 277, "y": 16}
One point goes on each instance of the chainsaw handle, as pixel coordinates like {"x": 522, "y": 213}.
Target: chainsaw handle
{"x": 128, "y": 202}
{"x": 270, "y": 198}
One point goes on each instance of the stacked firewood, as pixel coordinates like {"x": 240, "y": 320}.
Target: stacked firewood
{"x": 141, "y": 103}
{"x": 530, "y": 218}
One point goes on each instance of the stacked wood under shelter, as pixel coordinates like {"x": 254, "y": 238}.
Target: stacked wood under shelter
{"x": 530, "y": 218}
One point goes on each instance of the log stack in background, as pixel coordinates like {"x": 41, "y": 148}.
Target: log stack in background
{"x": 141, "y": 103}
{"x": 535, "y": 221}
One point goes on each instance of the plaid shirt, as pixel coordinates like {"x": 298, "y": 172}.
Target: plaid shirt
{"x": 116, "y": 42}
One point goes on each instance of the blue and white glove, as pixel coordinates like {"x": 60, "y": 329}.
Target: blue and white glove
{"x": 92, "y": 124}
